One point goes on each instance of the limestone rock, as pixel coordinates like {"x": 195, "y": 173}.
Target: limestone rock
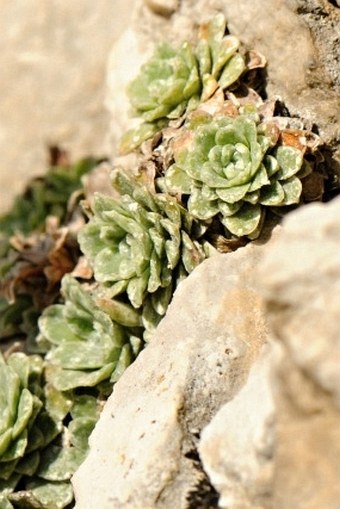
{"x": 237, "y": 448}
{"x": 53, "y": 63}
{"x": 300, "y": 280}
{"x": 143, "y": 450}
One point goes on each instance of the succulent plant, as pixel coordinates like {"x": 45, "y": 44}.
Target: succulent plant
{"x": 175, "y": 80}
{"x": 39, "y": 454}
{"x": 137, "y": 243}
{"x": 231, "y": 167}
{"x": 87, "y": 346}
{"x": 26, "y": 427}
{"x": 19, "y": 408}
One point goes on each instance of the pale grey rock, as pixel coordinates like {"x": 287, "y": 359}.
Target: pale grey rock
{"x": 53, "y": 58}
{"x": 299, "y": 277}
{"x": 237, "y": 448}
{"x": 143, "y": 450}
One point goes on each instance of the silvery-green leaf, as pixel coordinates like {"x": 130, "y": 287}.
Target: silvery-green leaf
{"x": 65, "y": 380}
{"x": 84, "y": 355}
{"x": 7, "y": 469}
{"x": 192, "y": 254}
{"x": 24, "y": 412}
{"x": 133, "y": 138}
{"x": 232, "y": 71}
{"x": 253, "y": 197}
{"x": 221, "y": 60}
{"x": 216, "y": 29}
{"x": 137, "y": 345}
{"x": 123, "y": 362}
{"x": 229, "y": 209}
{"x": 233, "y": 194}
{"x": 157, "y": 240}
{"x": 57, "y": 403}
{"x": 85, "y": 405}
{"x": 51, "y": 495}
{"x": 7, "y": 486}
{"x": 19, "y": 362}
{"x": 120, "y": 312}
{"x": 292, "y": 188}
{"x": 80, "y": 430}
{"x": 245, "y": 221}
{"x": 260, "y": 179}
{"x": 150, "y": 316}
{"x": 203, "y": 56}
{"x": 16, "y": 448}
{"x": 271, "y": 164}
{"x": 177, "y": 181}
{"x": 200, "y": 208}
{"x": 118, "y": 287}
{"x": 290, "y": 161}
{"x": 52, "y": 326}
{"x": 9, "y": 391}
{"x": 161, "y": 299}
{"x": 59, "y": 463}
{"x": 155, "y": 273}
{"x": 49, "y": 427}
{"x": 5, "y": 440}
{"x": 36, "y": 439}
{"x": 28, "y": 464}
{"x": 137, "y": 287}
{"x": 272, "y": 195}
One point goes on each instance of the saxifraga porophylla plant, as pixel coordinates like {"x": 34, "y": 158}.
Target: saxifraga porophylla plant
{"x": 174, "y": 81}
{"x": 231, "y": 167}
{"x": 87, "y": 347}
{"x": 138, "y": 243}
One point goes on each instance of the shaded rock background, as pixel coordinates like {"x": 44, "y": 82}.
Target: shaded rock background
{"x": 53, "y": 57}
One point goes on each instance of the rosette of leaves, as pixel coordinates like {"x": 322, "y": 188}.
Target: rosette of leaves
{"x": 231, "y": 167}
{"x": 50, "y": 487}
{"x": 141, "y": 244}
{"x": 41, "y": 478}
{"x": 87, "y": 347}
{"x": 174, "y": 80}
{"x": 26, "y": 428}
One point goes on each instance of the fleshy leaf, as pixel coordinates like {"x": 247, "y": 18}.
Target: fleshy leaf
{"x": 245, "y": 221}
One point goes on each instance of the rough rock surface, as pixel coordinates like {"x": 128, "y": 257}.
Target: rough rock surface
{"x": 300, "y": 280}
{"x": 53, "y": 58}
{"x": 237, "y": 448}
{"x": 143, "y": 450}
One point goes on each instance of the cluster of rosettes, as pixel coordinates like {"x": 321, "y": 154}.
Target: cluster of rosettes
{"x": 137, "y": 244}
{"x": 175, "y": 81}
{"x": 32, "y": 454}
{"x": 86, "y": 345}
{"x": 231, "y": 167}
